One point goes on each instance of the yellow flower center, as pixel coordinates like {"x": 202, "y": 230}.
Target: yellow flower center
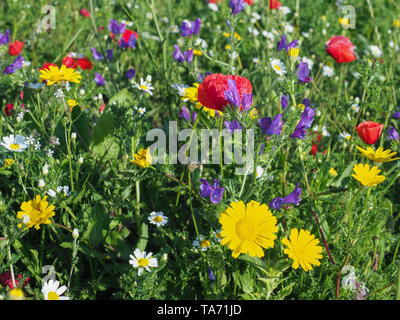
{"x": 143, "y": 262}
{"x": 14, "y": 146}
{"x": 205, "y": 243}
{"x": 53, "y": 295}
{"x": 143, "y": 87}
{"x": 245, "y": 229}
{"x": 157, "y": 219}
{"x": 277, "y": 68}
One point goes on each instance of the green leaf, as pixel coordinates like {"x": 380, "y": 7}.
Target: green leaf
{"x": 143, "y": 237}
{"x": 105, "y": 127}
{"x": 341, "y": 181}
{"x": 122, "y": 97}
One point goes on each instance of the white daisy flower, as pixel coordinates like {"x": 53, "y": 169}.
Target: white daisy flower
{"x": 309, "y": 62}
{"x": 142, "y": 111}
{"x": 344, "y": 135}
{"x": 278, "y": 66}
{"x": 142, "y": 261}
{"x": 285, "y": 10}
{"x": 51, "y": 193}
{"x": 158, "y": 218}
{"x": 50, "y": 153}
{"x": 64, "y": 190}
{"x": 375, "y": 51}
{"x": 328, "y": 71}
{"x": 145, "y": 85}
{"x": 204, "y": 244}
{"x": 259, "y": 172}
{"x": 20, "y": 116}
{"x": 51, "y": 290}
{"x": 213, "y": 6}
{"x": 41, "y": 183}
{"x": 15, "y": 143}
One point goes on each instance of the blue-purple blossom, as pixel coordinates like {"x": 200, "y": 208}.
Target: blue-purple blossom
{"x": 291, "y": 198}
{"x": 110, "y": 54}
{"x": 17, "y": 64}
{"x": 98, "y": 78}
{"x": 236, "y": 6}
{"x": 396, "y": 115}
{"x": 284, "y": 101}
{"x": 247, "y": 101}
{"x": 130, "y": 73}
{"x": 271, "y": 126}
{"x": 130, "y": 44}
{"x": 96, "y": 55}
{"x": 4, "y": 38}
{"x": 185, "y": 114}
{"x": 232, "y": 94}
{"x": 393, "y": 134}
{"x": 232, "y": 126}
{"x": 215, "y": 192}
{"x": 307, "y": 118}
{"x": 283, "y": 45}
{"x": 189, "y": 55}
{"x": 303, "y": 72}
{"x": 189, "y": 28}
{"x": 178, "y": 55}
{"x": 210, "y": 274}
{"x": 116, "y": 28}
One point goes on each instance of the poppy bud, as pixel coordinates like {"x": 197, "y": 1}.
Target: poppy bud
{"x": 84, "y": 13}
{"x": 15, "y": 48}
{"x": 341, "y": 49}
{"x": 369, "y": 131}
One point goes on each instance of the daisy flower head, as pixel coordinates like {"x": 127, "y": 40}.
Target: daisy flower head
{"x": 303, "y": 249}
{"x": 368, "y": 177}
{"x": 54, "y": 74}
{"x": 38, "y": 210}
{"x": 248, "y": 228}
{"x": 327, "y": 71}
{"x": 142, "y": 261}
{"x": 16, "y": 143}
{"x": 144, "y": 85}
{"x": 379, "y": 155}
{"x": 278, "y": 66}
{"x": 202, "y": 243}
{"x": 52, "y": 291}
{"x": 158, "y": 218}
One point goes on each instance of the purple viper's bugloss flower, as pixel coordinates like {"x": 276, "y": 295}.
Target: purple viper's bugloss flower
{"x": 210, "y": 274}
{"x": 96, "y": 55}
{"x": 215, "y": 192}
{"x": 294, "y": 196}
{"x": 307, "y": 118}
{"x": 276, "y": 203}
{"x": 196, "y": 26}
{"x": 116, "y": 28}
{"x": 232, "y": 94}
{"x": 98, "y": 78}
{"x": 284, "y": 101}
{"x": 271, "y": 126}
{"x": 17, "y": 64}
{"x": 303, "y": 72}
{"x": 247, "y": 101}
{"x": 232, "y": 126}
{"x": 392, "y": 134}
{"x": 396, "y": 115}
{"x": 130, "y": 73}
{"x": 283, "y": 45}
{"x": 236, "y": 6}
{"x": 185, "y": 114}
{"x": 178, "y": 55}
{"x": 110, "y": 54}
{"x": 189, "y": 55}
{"x": 5, "y": 38}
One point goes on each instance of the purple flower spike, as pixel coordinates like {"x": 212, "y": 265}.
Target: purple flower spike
{"x": 130, "y": 73}
{"x": 186, "y": 31}
{"x": 307, "y": 118}
{"x": 247, "y": 101}
{"x": 189, "y": 55}
{"x": 96, "y": 55}
{"x": 215, "y": 192}
{"x": 284, "y": 101}
{"x": 232, "y": 126}
{"x": 396, "y": 115}
{"x": 5, "y": 38}
{"x": 196, "y": 26}
{"x": 236, "y": 6}
{"x": 116, "y": 28}
{"x": 393, "y": 134}
{"x": 98, "y": 78}
{"x": 17, "y": 64}
{"x": 178, "y": 55}
{"x": 185, "y": 114}
{"x": 277, "y": 203}
{"x": 205, "y": 188}
{"x": 110, "y": 54}
{"x": 294, "y": 196}
{"x": 265, "y": 123}
{"x": 232, "y": 94}
{"x": 303, "y": 72}
{"x": 271, "y": 127}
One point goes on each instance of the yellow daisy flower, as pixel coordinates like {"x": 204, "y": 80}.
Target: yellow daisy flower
{"x": 368, "y": 177}
{"x": 143, "y": 158}
{"x": 55, "y": 74}
{"x": 191, "y": 94}
{"x": 72, "y": 103}
{"x": 35, "y": 212}
{"x": 16, "y": 294}
{"x": 248, "y": 228}
{"x": 8, "y": 163}
{"x": 303, "y": 249}
{"x": 379, "y": 155}
{"x": 333, "y": 172}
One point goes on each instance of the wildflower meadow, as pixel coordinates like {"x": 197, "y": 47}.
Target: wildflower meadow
{"x": 199, "y": 150}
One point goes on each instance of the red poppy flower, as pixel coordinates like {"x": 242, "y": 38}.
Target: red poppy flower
{"x": 211, "y": 91}
{"x": 47, "y": 65}
{"x": 341, "y": 49}
{"x": 84, "y": 13}
{"x": 127, "y": 35}
{"x": 274, "y": 4}
{"x": 85, "y": 64}
{"x": 70, "y": 62}
{"x": 7, "y": 110}
{"x": 369, "y": 131}
{"x": 15, "y": 48}
{"x": 249, "y": 2}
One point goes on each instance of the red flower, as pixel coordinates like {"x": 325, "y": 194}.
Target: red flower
{"x": 85, "y": 64}
{"x": 47, "y": 65}
{"x": 369, "y": 131}
{"x": 274, "y": 4}
{"x": 341, "y": 49}
{"x": 7, "y": 110}
{"x": 211, "y": 91}
{"x": 249, "y": 2}
{"x": 5, "y": 280}
{"x": 15, "y": 48}
{"x": 127, "y": 35}
{"x": 84, "y": 13}
{"x": 70, "y": 62}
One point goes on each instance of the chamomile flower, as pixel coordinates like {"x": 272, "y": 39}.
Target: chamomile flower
{"x": 144, "y": 85}
{"x": 142, "y": 261}
{"x": 375, "y": 51}
{"x": 202, "y": 243}
{"x": 158, "y": 218}
{"x": 278, "y": 66}
{"x": 15, "y": 143}
{"x": 328, "y": 71}
{"x": 52, "y": 291}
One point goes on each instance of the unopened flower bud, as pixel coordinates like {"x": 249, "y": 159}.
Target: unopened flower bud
{"x": 75, "y": 234}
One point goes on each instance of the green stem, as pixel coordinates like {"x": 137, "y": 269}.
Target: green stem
{"x": 11, "y": 266}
